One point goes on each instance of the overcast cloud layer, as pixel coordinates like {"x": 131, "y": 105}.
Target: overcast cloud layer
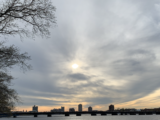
{"x": 116, "y": 45}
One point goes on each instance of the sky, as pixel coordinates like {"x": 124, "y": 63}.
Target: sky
{"x": 115, "y": 45}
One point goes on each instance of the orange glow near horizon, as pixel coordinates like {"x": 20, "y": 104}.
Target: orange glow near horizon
{"x": 150, "y": 101}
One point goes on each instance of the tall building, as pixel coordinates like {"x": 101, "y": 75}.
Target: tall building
{"x": 71, "y": 110}
{"x": 90, "y": 109}
{"x": 35, "y": 108}
{"x": 80, "y": 107}
{"x": 111, "y": 108}
{"x": 62, "y": 109}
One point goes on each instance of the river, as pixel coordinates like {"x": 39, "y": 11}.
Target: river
{"x": 87, "y": 117}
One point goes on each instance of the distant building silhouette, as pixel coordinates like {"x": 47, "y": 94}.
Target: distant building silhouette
{"x": 35, "y": 109}
{"x": 80, "y": 107}
{"x": 130, "y": 109}
{"x": 90, "y": 109}
{"x": 58, "y": 110}
{"x": 111, "y": 108}
{"x": 62, "y": 109}
{"x": 151, "y": 109}
{"x": 71, "y": 110}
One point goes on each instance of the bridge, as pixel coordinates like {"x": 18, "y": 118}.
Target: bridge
{"x": 102, "y": 113}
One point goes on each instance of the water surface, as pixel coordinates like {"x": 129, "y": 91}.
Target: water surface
{"x": 87, "y": 117}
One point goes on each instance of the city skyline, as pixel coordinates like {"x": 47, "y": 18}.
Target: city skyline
{"x": 111, "y": 108}
{"x": 62, "y": 109}
{"x": 80, "y": 112}
{"x": 99, "y": 53}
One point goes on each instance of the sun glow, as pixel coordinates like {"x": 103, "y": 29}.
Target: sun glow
{"x": 75, "y": 66}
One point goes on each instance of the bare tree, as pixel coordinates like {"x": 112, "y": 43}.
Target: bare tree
{"x": 23, "y": 18}
{"x": 9, "y": 56}
{"x": 26, "y": 17}
{"x": 8, "y": 96}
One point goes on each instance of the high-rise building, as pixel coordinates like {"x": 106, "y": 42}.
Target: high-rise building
{"x": 90, "y": 109}
{"x": 111, "y": 108}
{"x": 71, "y": 110}
{"x": 80, "y": 107}
{"x": 62, "y": 109}
{"x": 35, "y": 108}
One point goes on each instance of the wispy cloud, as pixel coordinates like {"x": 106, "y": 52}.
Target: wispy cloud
{"x": 115, "y": 43}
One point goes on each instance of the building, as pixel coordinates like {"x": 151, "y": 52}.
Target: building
{"x": 111, "y": 108}
{"x": 62, "y": 109}
{"x": 58, "y": 110}
{"x": 35, "y": 108}
{"x": 90, "y": 109}
{"x": 80, "y": 107}
{"x": 71, "y": 110}
{"x": 151, "y": 110}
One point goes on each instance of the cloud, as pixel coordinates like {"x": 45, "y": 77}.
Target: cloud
{"x": 116, "y": 44}
{"x": 41, "y": 102}
{"x": 78, "y": 77}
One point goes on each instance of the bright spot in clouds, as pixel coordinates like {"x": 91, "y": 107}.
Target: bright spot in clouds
{"x": 74, "y": 66}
